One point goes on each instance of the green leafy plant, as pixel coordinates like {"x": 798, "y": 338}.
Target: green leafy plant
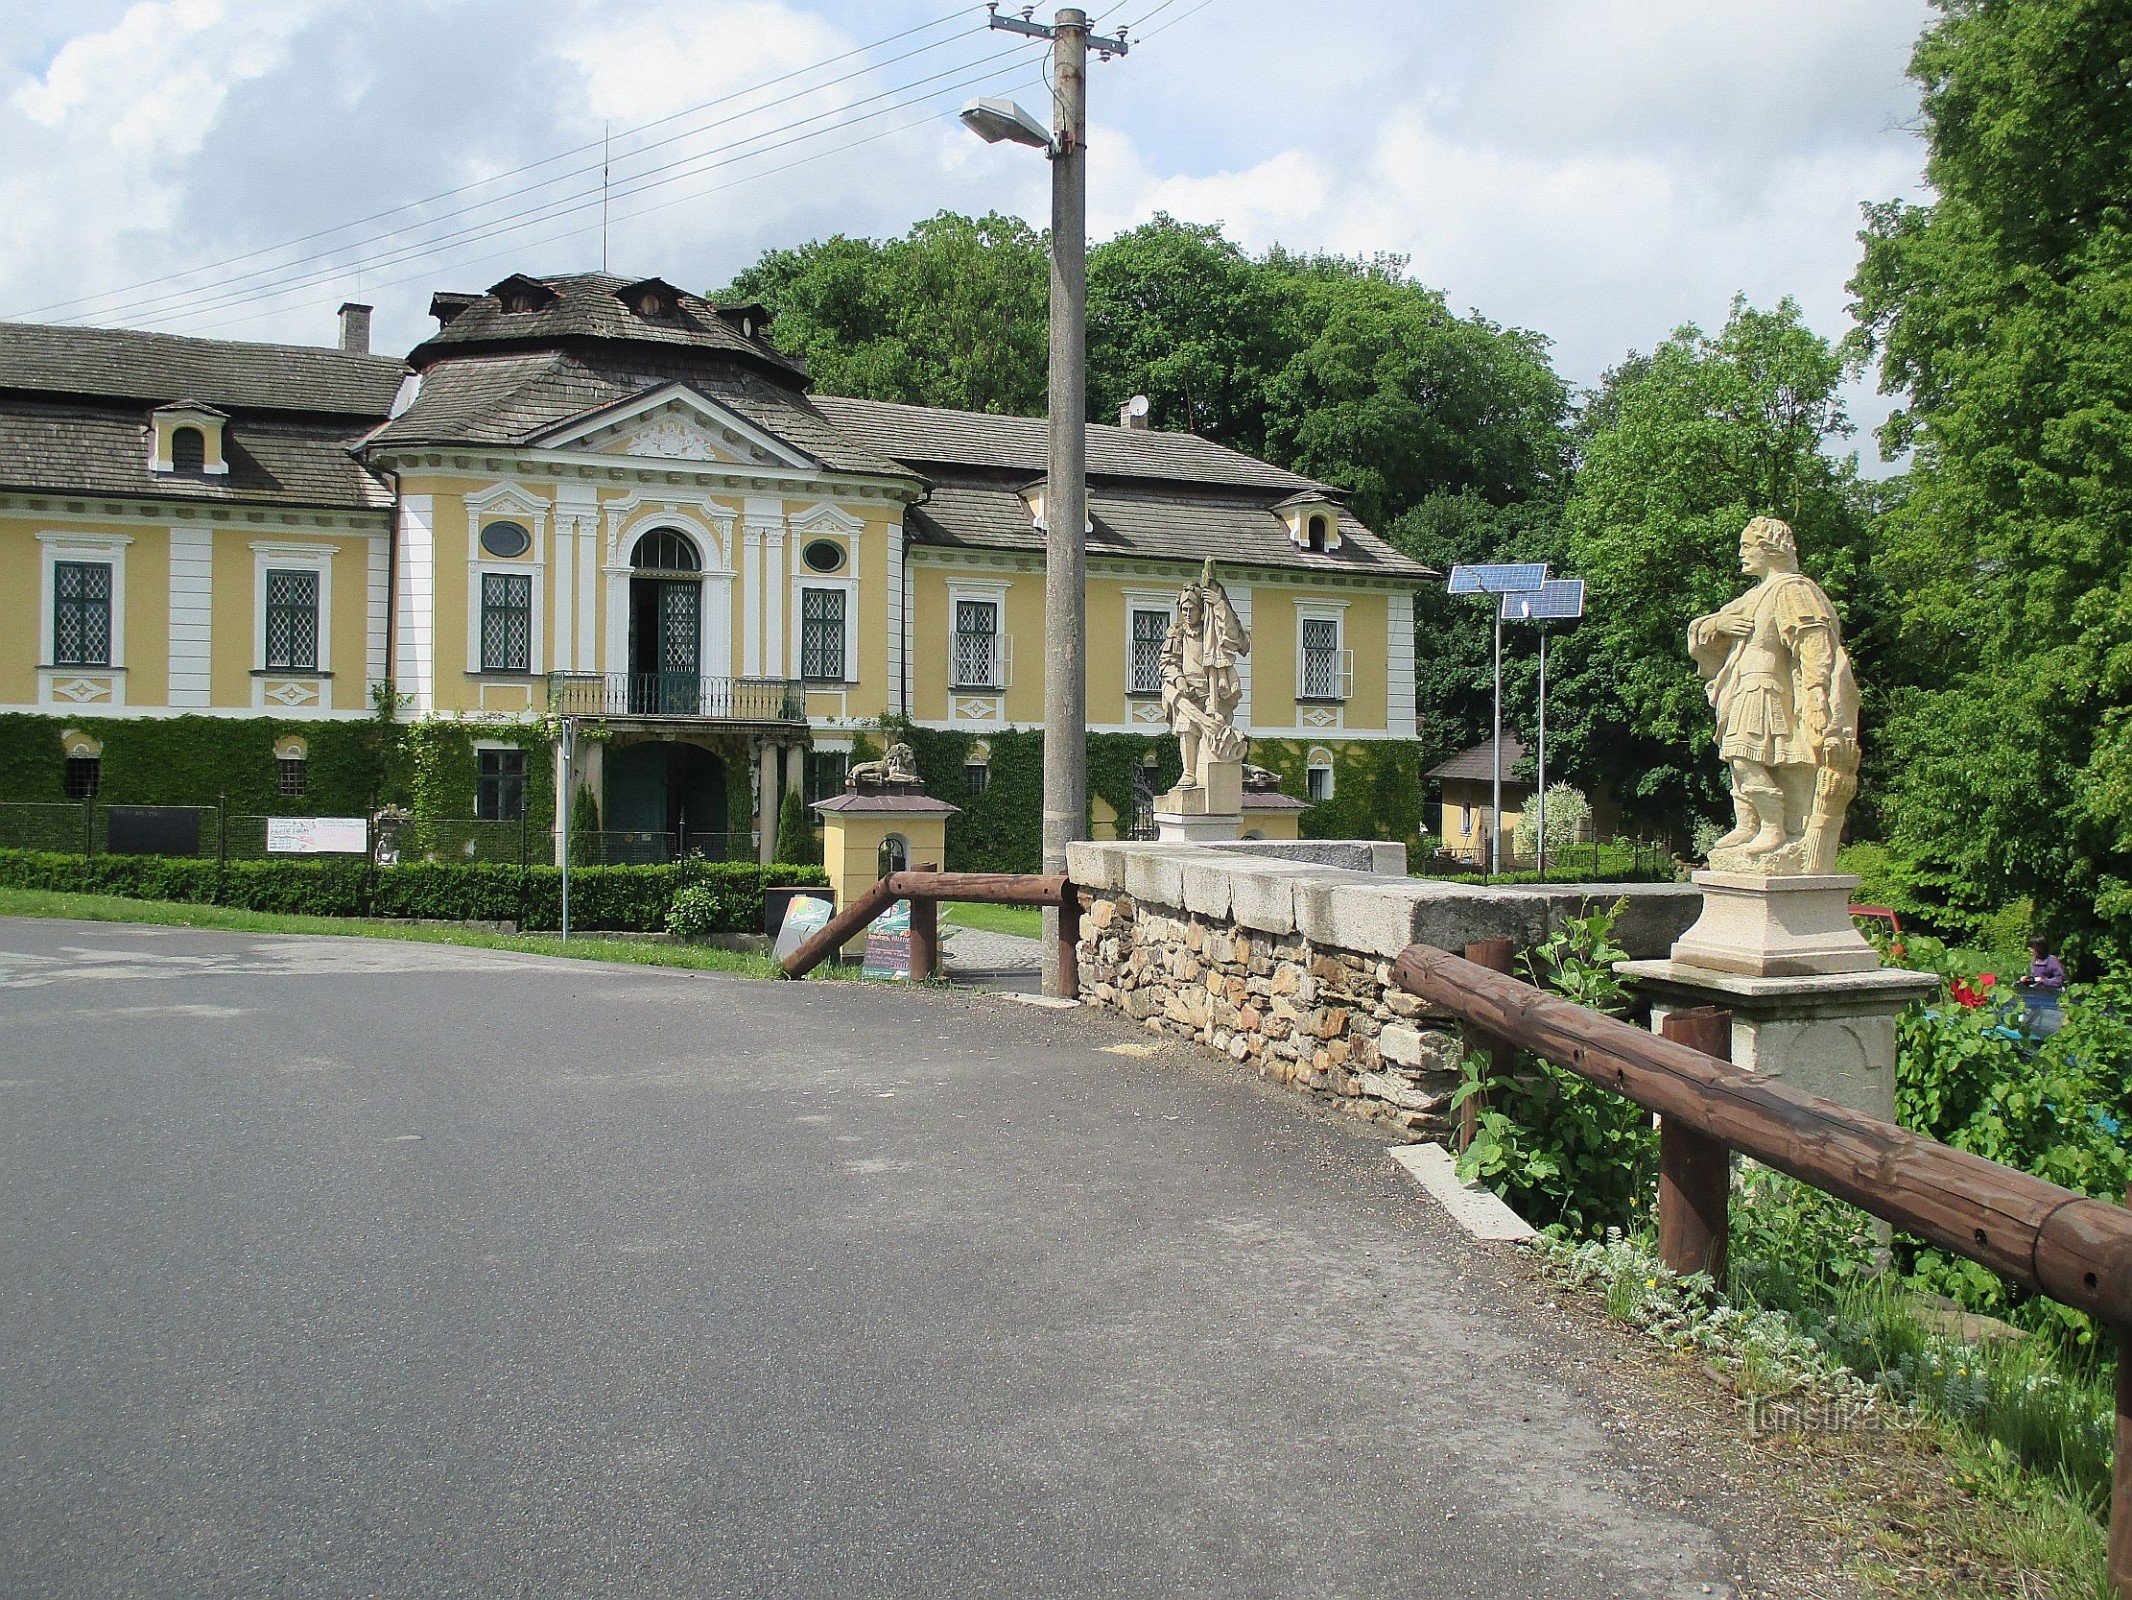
{"x": 795, "y": 838}
{"x": 1561, "y": 1150}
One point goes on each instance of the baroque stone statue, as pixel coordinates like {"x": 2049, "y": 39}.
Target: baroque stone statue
{"x": 898, "y": 767}
{"x": 1777, "y": 674}
{"x": 1200, "y": 683}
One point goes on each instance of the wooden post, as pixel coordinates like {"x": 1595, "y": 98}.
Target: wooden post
{"x": 1069, "y": 963}
{"x": 1695, "y": 1170}
{"x": 1495, "y": 955}
{"x": 925, "y": 932}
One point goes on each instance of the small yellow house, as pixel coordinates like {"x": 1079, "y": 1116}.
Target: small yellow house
{"x": 612, "y": 500}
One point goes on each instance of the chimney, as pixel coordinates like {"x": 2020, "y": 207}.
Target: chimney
{"x": 355, "y": 329}
{"x": 1133, "y": 414}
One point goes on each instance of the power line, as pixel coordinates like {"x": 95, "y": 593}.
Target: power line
{"x": 662, "y": 205}
{"x": 213, "y": 296}
{"x": 1180, "y": 17}
{"x": 534, "y": 166}
{"x": 214, "y": 291}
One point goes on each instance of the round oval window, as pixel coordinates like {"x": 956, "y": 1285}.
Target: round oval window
{"x": 505, "y": 540}
{"x": 823, "y": 555}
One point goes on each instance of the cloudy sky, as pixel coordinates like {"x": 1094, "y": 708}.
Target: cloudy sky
{"x": 1598, "y": 170}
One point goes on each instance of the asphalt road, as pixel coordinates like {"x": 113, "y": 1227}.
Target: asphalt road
{"x": 349, "y": 1267}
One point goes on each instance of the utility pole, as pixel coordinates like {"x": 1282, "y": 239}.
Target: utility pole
{"x": 1066, "y": 482}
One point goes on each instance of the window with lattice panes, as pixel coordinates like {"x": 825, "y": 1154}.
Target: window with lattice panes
{"x": 976, "y": 776}
{"x": 81, "y": 613}
{"x": 1318, "y": 784}
{"x": 84, "y": 776}
{"x": 826, "y": 770}
{"x": 974, "y": 661}
{"x": 1321, "y": 658}
{"x": 1144, "y": 669}
{"x": 293, "y": 775}
{"x": 499, "y": 784}
{"x": 291, "y": 621}
{"x": 506, "y": 622}
{"x": 822, "y": 635}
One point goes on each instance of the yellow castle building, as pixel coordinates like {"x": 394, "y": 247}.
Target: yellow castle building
{"x": 613, "y": 500}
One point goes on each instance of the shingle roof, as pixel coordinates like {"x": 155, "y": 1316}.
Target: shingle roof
{"x": 1133, "y": 520}
{"x": 926, "y": 436}
{"x": 586, "y": 306}
{"x": 85, "y": 448}
{"x": 514, "y": 399}
{"x": 120, "y": 364}
{"x": 1479, "y": 762}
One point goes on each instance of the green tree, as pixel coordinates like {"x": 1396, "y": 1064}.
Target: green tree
{"x": 1682, "y": 447}
{"x": 953, "y": 314}
{"x": 796, "y": 843}
{"x": 2001, "y": 315}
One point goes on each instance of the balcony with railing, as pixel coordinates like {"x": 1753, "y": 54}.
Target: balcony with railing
{"x": 670, "y": 696}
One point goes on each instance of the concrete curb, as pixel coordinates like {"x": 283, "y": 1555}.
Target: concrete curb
{"x": 1480, "y": 1212}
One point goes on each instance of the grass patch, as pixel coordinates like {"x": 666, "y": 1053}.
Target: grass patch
{"x": 1024, "y": 921}
{"x": 582, "y": 947}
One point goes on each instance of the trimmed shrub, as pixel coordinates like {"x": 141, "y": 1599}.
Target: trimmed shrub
{"x": 618, "y": 899}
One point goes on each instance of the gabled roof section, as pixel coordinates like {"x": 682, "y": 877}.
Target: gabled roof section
{"x": 1479, "y": 763}
{"x": 674, "y": 422}
{"x": 191, "y": 408}
{"x": 574, "y": 312}
{"x": 119, "y": 364}
{"x": 925, "y": 436}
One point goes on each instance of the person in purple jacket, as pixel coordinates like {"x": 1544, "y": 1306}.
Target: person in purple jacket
{"x": 2045, "y": 971}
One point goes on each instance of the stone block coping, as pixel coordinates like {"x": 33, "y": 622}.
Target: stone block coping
{"x": 1371, "y": 913}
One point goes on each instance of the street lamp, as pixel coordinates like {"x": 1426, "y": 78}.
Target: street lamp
{"x": 1556, "y": 600}
{"x": 1066, "y": 475}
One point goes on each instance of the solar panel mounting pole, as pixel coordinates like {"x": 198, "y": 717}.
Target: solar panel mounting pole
{"x": 1540, "y": 838}
{"x": 1495, "y": 815}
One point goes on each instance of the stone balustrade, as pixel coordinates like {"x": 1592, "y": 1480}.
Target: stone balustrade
{"x": 1286, "y": 964}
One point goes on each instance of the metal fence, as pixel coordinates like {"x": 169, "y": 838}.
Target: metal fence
{"x": 214, "y": 833}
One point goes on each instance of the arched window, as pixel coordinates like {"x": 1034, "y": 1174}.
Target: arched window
{"x": 666, "y": 550}
{"x": 1318, "y": 529}
{"x": 1318, "y": 775}
{"x": 895, "y": 855}
{"x": 977, "y": 768}
{"x": 188, "y": 450}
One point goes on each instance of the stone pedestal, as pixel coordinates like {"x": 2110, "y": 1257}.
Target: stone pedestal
{"x": 855, "y": 826}
{"x": 1827, "y": 1034}
{"x": 1210, "y": 810}
{"x": 1762, "y": 927}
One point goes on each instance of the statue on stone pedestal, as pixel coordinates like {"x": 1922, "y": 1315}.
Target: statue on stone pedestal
{"x": 1787, "y": 712}
{"x": 897, "y": 768}
{"x": 1200, "y": 684}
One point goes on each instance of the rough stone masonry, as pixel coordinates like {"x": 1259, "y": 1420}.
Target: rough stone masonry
{"x": 1287, "y": 964}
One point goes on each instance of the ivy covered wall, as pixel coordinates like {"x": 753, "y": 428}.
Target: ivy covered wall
{"x": 429, "y": 767}
{"x": 1376, "y": 787}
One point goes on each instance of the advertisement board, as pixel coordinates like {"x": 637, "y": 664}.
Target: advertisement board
{"x": 317, "y": 836}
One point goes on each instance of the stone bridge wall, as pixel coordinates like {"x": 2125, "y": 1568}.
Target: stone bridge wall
{"x": 1287, "y": 964}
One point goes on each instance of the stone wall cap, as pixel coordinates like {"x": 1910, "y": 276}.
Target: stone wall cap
{"x": 1880, "y": 982}
{"x": 1796, "y": 883}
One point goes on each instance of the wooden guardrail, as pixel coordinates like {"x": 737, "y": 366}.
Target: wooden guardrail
{"x": 2072, "y": 1247}
{"x": 925, "y": 889}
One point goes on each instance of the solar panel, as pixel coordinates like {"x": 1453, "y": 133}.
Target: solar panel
{"x": 1509, "y": 578}
{"x": 1556, "y": 600}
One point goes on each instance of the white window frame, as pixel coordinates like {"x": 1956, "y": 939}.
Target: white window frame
{"x": 1335, "y": 612}
{"x": 525, "y": 778}
{"x": 108, "y": 548}
{"x": 982, "y": 591}
{"x": 536, "y": 641}
{"x": 1317, "y": 761}
{"x": 850, "y": 590}
{"x": 290, "y": 557}
{"x": 1138, "y": 600}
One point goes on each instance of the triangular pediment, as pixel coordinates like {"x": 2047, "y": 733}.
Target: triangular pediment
{"x": 675, "y": 423}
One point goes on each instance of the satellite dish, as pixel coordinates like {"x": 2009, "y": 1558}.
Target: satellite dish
{"x": 1137, "y": 406}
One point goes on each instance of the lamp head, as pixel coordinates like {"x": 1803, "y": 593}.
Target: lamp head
{"x": 993, "y": 120}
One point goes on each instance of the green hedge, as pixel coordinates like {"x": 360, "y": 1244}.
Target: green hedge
{"x": 622, "y": 899}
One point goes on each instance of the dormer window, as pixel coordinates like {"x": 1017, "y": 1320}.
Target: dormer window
{"x": 1312, "y": 519}
{"x": 185, "y": 440}
{"x": 519, "y": 294}
{"x": 651, "y": 298}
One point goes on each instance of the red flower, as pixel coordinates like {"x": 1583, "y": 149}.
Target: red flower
{"x": 1964, "y": 995}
